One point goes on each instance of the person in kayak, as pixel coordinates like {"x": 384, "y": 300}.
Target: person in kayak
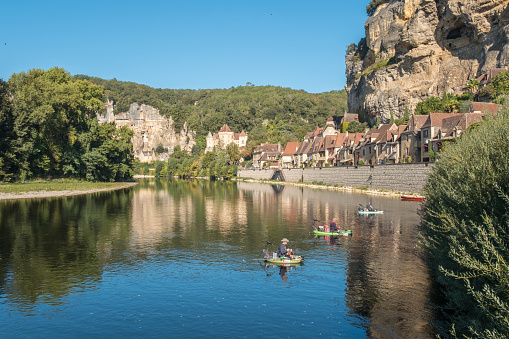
{"x": 369, "y": 207}
{"x": 283, "y": 250}
{"x": 333, "y": 227}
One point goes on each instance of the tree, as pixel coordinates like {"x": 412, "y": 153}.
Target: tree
{"x": 356, "y": 127}
{"x": 465, "y": 229}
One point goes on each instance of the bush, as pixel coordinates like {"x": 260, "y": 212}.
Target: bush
{"x": 466, "y": 229}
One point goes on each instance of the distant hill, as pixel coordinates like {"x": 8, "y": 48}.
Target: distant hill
{"x": 266, "y": 113}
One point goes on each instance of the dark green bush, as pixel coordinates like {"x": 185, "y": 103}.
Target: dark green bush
{"x": 465, "y": 229}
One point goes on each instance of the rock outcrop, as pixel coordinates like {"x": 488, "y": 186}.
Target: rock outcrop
{"x": 151, "y": 130}
{"x": 422, "y": 48}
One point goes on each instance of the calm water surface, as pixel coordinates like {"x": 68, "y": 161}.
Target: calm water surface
{"x": 175, "y": 259}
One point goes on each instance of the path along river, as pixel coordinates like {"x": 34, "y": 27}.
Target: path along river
{"x": 175, "y": 259}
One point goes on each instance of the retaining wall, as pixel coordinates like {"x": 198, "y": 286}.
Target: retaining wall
{"x": 408, "y": 178}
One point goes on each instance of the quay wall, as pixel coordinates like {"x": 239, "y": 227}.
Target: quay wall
{"x": 406, "y": 178}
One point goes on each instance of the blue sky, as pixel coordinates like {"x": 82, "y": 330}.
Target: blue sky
{"x": 194, "y": 44}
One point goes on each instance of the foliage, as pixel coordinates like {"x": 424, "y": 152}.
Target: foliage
{"x": 378, "y": 65}
{"x": 499, "y": 85}
{"x": 465, "y": 229}
{"x": 448, "y": 103}
{"x": 431, "y": 155}
{"x": 356, "y": 127}
{"x": 50, "y": 127}
{"x": 405, "y": 119}
{"x": 247, "y": 108}
{"x": 373, "y": 5}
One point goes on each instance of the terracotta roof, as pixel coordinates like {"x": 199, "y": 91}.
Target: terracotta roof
{"x": 330, "y": 141}
{"x": 243, "y": 134}
{"x": 267, "y": 148}
{"x": 435, "y": 119}
{"x": 415, "y": 123}
{"x": 291, "y": 148}
{"x": 349, "y": 117}
{"x": 302, "y": 148}
{"x": 483, "y": 107}
{"x": 340, "y": 139}
{"x": 225, "y": 128}
{"x": 317, "y": 131}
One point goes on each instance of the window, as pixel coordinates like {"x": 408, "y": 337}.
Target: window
{"x": 425, "y": 133}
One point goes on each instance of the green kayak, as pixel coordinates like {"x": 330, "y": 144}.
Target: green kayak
{"x": 340, "y": 233}
{"x": 285, "y": 261}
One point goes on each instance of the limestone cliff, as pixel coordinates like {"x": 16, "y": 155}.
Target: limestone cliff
{"x": 151, "y": 129}
{"x": 422, "y": 48}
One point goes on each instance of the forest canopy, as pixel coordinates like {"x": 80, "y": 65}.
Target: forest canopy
{"x": 49, "y": 129}
{"x": 266, "y": 113}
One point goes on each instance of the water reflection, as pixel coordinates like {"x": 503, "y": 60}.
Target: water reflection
{"x": 53, "y": 248}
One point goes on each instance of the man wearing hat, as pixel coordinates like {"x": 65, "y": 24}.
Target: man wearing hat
{"x": 283, "y": 250}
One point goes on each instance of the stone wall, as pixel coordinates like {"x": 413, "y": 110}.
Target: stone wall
{"x": 407, "y": 178}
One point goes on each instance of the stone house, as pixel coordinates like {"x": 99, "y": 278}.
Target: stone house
{"x": 334, "y": 147}
{"x": 410, "y": 139}
{"x": 348, "y": 118}
{"x": 287, "y": 159}
{"x": 452, "y": 128}
{"x": 430, "y": 131}
{"x": 370, "y": 150}
{"x": 346, "y": 153}
{"x": 301, "y": 155}
{"x": 266, "y": 153}
{"x": 224, "y": 137}
{"x": 314, "y": 154}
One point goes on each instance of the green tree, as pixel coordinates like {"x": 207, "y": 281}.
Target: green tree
{"x": 356, "y": 127}
{"x": 465, "y": 229}
{"x": 50, "y": 112}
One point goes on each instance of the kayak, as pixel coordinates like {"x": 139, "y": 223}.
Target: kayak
{"x": 274, "y": 258}
{"x": 340, "y": 233}
{"x": 411, "y": 198}
{"x": 370, "y": 212}
{"x": 285, "y": 261}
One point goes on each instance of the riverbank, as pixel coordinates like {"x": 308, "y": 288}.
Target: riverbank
{"x": 52, "y": 190}
{"x": 369, "y": 191}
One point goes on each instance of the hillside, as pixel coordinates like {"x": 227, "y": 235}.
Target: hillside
{"x": 415, "y": 49}
{"x": 266, "y": 113}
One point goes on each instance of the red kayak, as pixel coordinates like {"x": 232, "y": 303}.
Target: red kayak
{"x": 411, "y": 198}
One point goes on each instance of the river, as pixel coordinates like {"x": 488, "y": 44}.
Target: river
{"x": 177, "y": 259}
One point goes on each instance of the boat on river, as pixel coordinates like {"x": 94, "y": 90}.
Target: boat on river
{"x": 344, "y": 233}
{"x": 411, "y": 198}
{"x": 274, "y": 258}
{"x": 364, "y": 211}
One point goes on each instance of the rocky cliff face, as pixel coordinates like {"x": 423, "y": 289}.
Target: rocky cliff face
{"x": 151, "y": 129}
{"x": 424, "y": 48}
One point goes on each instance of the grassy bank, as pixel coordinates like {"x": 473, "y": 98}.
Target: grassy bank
{"x": 57, "y": 185}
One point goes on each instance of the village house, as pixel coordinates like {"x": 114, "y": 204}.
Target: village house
{"x": 334, "y": 147}
{"x": 410, "y": 139}
{"x": 301, "y": 155}
{"x": 287, "y": 159}
{"x": 224, "y": 137}
{"x": 266, "y": 155}
{"x": 345, "y": 154}
{"x": 370, "y": 150}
